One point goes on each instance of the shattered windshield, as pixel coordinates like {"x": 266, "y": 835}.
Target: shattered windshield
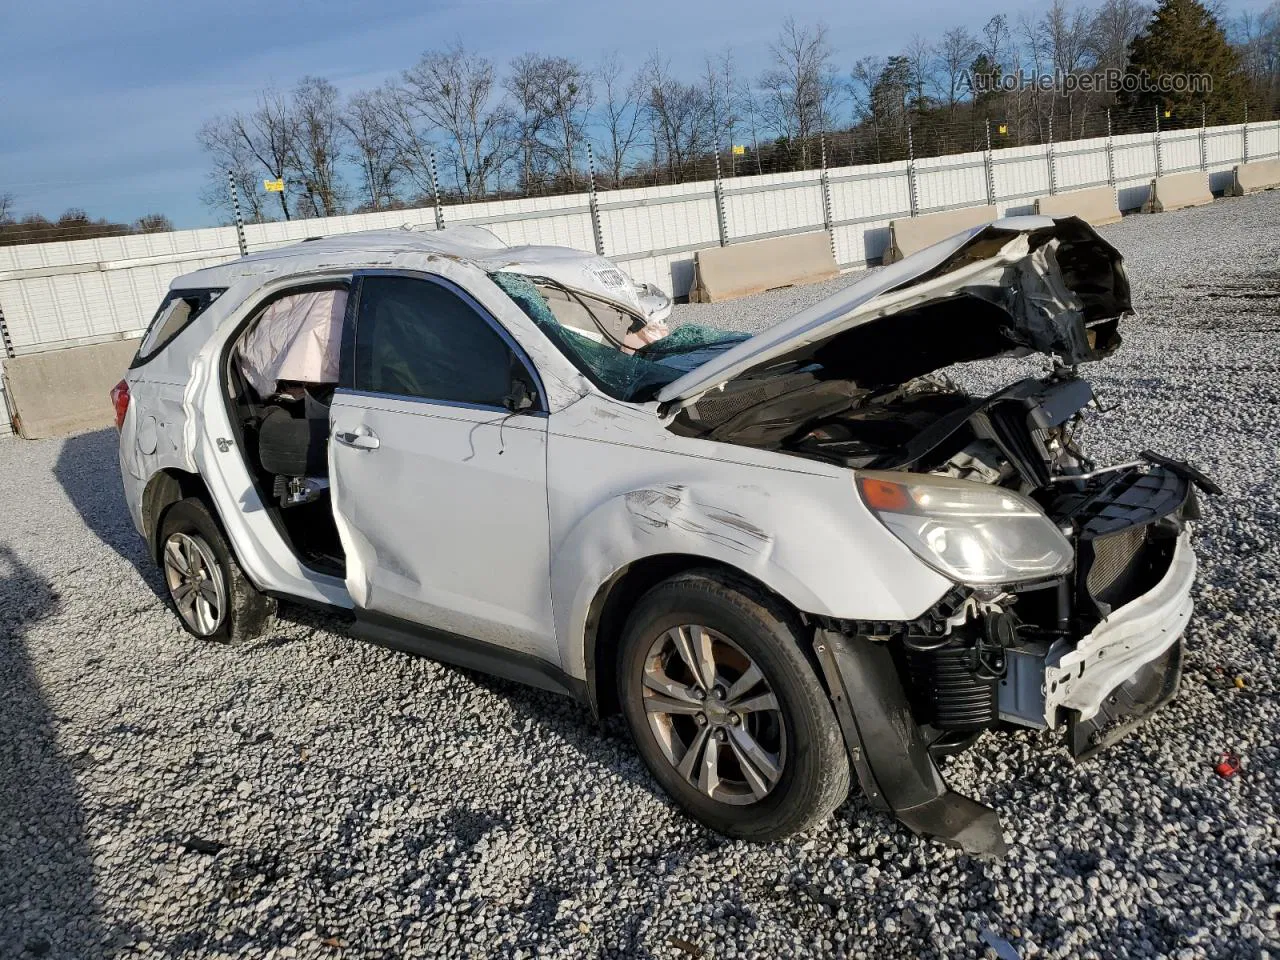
{"x": 634, "y": 377}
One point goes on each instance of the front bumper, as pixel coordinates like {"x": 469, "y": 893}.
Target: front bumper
{"x": 1132, "y": 636}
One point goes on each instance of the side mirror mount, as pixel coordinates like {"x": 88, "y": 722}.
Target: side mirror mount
{"x": 518, "y": 398}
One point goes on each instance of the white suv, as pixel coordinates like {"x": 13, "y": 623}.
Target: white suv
{"x": 781, "y": 556}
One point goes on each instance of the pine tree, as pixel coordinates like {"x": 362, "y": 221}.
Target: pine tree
{"x": 1183, "y": 38}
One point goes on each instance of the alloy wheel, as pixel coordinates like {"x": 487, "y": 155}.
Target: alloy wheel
{"x": 195, "y": 582}
{"x": 714, "y": 714}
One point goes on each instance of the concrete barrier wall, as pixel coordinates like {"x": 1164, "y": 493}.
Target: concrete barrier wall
{"x": 66, "y": 391}
{"x": 1252, "y": 177}
{"x": 907, "y": 236}
{"x": 1096, "y": 205}
{"x": 741, "y": 269}
{"x": 1178, "y": 190}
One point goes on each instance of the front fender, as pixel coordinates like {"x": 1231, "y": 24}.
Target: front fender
{"x": 805, "y": 536}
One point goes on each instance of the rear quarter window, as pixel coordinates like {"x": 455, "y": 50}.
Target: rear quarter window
{"x": 178, "y": 309}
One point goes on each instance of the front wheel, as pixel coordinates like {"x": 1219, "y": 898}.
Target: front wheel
{"x": 208, "y": 590}
{"x": 726, "y": 709}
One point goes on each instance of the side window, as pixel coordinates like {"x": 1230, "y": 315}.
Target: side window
{"x": 177, "y": 310}
{"x": 416, "y": 338}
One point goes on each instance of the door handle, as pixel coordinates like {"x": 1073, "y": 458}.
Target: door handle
{"x": 359, "y": 441}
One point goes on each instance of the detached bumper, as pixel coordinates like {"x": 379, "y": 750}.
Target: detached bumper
{"x": 1141, "y": 634}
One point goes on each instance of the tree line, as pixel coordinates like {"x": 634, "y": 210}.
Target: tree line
{"x": 458, "y": 122}
{"x": 74, "y": 224}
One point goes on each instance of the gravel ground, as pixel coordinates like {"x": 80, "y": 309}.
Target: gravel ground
{"x": 312, "y": 796}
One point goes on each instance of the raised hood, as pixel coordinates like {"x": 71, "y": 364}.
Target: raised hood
{"x": 1017, "y": 285}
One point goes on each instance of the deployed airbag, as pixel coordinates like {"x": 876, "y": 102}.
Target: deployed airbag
{"x": 296, "y": 339}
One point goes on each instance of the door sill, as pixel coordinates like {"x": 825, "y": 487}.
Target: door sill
{"x": 466, "y": 652}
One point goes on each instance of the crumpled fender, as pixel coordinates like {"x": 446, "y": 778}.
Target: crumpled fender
{"x": 796, "y": 526}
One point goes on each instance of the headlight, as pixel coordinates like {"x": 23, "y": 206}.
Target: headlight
{"x": 969, "y": 532}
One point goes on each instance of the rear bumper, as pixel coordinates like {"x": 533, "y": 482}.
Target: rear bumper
{"x": 1139, "y": 633}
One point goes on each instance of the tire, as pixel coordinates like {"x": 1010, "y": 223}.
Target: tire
{"x": 219, "y": 603}
{"x": 800, "y": 770}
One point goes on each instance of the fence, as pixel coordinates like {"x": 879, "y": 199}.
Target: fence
{"x": 57, "y": 295}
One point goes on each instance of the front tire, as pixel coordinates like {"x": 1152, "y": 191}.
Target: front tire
{"x": 726, "y": 709}
{"x": 207, "y": 589}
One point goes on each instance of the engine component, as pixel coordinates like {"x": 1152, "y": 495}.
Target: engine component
{"x": 954, "y": 684}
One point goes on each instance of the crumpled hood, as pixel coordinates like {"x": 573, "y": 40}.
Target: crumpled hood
{"x": 1018, "y": 285}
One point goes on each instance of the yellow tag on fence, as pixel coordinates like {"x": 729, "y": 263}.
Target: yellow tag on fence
{"x": 1003, "y": 129}
{"x": 739, "y": 149}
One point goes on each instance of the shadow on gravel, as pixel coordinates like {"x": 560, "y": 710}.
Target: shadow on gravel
{"x": 47, "y": 904}
{"x": 88, "y": 469}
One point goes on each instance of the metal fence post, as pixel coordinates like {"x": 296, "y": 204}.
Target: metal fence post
{"x": 827, "y": 218}
{"x": 593, "y": 203}
{"x": 235, "y": 206}
{"x": 5, "y": 338}
{"x": 990, "y": 168}
{"x": 1159, "y": 166}
{"x": 1244, "y": 132}
{"x": 1111, "y": 160}
{"x": 435, "y": 189}
{"x": 911, "y": 174}
{"x": 1053, "y": 175}
{"x": 1204, "y": 147}
{"x": 721, "y": 222}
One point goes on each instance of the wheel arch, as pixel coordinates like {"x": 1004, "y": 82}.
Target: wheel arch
{"x": 613, "y": 600}
{"x": 165, "y": 488}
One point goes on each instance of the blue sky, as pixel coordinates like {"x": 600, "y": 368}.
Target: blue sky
{"x": 102, "y": 99}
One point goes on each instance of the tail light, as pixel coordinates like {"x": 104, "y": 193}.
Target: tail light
{"x": 120, "y": 401}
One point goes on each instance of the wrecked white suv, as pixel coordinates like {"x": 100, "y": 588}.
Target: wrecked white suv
{"x": 782, "y": 557}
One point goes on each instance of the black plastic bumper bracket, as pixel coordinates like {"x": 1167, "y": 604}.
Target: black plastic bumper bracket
{"x": 889, "y": 753}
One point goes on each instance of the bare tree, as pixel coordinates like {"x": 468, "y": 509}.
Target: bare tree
{"x": 375, "y": 149}
{"x": 678, "y": 117}
{"x": 455, "y": 91}
{"x": 568, "y": 94}
{"x": 864, "y": 81}
{"x": 995, "y": 40}
{"x": 620, "y": 115}
{"x": 800, "y": 86}
{"x": 7, "y": 205}
{"x": 955, "y": 54}
{"x": 524, "y": 84}
{"x": 318, "y": 145}
{"x": 410, "y": 134}
{"x": 270, "y": 135}
{"x": 919, "y": 60}
{"x": 1112, "y": 29}
{"x": 221, "y": 140}
{"x": 153, "y": 223}
{"x": 719, "y": 79}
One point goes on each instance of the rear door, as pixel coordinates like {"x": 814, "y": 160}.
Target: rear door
{"x": 439, "y": 489}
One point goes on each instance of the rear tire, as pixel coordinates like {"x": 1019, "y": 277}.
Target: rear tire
{"x": 207, "y": 589}
{"x": 714, "y": 667}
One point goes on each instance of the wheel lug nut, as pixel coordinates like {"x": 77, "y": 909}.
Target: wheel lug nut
{"x": 702, "y": 719}
{"x": 734, "y": 719}
{"x": 721, "y": 736}
{"x": 699, "y": 695}
{"x": 718, "y": 693}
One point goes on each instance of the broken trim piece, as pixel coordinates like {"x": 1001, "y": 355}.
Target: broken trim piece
{"x": 889, "y": 753}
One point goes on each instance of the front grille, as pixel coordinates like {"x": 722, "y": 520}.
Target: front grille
{"x": 1112, "y": 557}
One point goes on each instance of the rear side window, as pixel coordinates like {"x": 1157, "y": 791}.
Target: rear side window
{"x": 179, "y": 308}
{"x": 416, "y": 338}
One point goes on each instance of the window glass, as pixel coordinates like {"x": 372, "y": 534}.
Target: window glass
{"x": 178, "y": 309}
{"x": 417, "y": 338}
{"x": 633, "y": 377}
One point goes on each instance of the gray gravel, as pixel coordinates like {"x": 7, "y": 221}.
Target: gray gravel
{"x": 311, "y": 796}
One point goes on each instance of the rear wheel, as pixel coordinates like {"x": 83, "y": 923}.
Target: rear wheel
{"x": 208, "y": 590}
{"x": 726, "y": 709}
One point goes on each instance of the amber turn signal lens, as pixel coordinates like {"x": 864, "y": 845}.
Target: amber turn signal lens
{"x": 883, "y": 495}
